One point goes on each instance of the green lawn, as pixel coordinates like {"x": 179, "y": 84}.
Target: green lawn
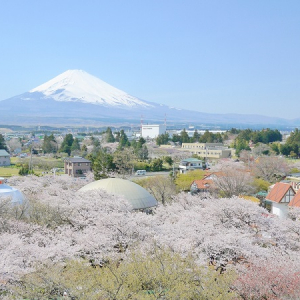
{"x": 13, "y": 160}
{"x": 8, "y": 171}
{"x": 45, "y": 166}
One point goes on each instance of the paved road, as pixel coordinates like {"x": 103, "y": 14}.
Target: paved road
{"x": 148, "y": 174}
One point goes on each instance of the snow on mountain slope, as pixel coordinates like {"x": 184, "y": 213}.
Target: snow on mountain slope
{"x": 79, "y": 86}
{"x": 76, "y": 97}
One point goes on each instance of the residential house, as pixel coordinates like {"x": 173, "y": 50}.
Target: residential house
{"x": 206, "y": 184}
{"x": 77, "y": 166}
{"x": 201, "y": 185}
{"x": 294, "y": 180}
{"x": 4, "y": 158}
{"x": 279, "y": 198}
{"x": 296, "y": 200}
{"x": 213, "y": 175}
{"x": 190, "y": 164}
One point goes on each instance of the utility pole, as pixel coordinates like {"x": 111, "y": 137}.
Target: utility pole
{"x": 30, "y": 161}
{"x": 205, "y": 160}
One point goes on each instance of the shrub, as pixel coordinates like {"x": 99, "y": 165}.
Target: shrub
{"x": 159, "y": 274}
{"x": 141, "y": 166}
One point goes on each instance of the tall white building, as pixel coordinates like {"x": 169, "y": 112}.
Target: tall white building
{"x": 152, "y": 131}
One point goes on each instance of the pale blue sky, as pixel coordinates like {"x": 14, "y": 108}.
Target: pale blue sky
{"x": 211, "y": 56}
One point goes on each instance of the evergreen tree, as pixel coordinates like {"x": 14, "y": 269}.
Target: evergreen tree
{"x": 102, "y": 164}
{"x": 49, "y": 144}
{"x": 75, "y": 145}
{"x": 140, "y": 149}
{"x": 142, "y": 153}
{"x": 2, "y": 143}
{"x": 24, "y": 171}
{"x": 209, "y": 137}
{"x": 117, "y": 139}
{"x": 84, "y": 150}
{"x": 162, "y": 139}
{"x": 124, "y": 161}
{"x": 265, "y": 136}
{"x": 109, "y": 136}
{"x": 96, "y": 145}
{"x": 123, "y": 142}
{"x": 157, "y": 165}
{"x": 275, "y": 147}
{"x": 176, "y": 138}
{"x": 95, "y": 141}
{"x": 184, "y": 136}
{"x": 240, "y": 145}
{"x": 67, "y": 144}
{"x": 292, "y": 144}
{"x": 196, "y": 136}
{"x": 141, "y": 142}
{"x": 169, "y": 160}
{"x": 234, "y": 131}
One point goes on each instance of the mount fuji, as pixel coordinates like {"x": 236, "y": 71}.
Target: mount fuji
{"x": 79, "y": 86}
{"x": 76, "y": 97}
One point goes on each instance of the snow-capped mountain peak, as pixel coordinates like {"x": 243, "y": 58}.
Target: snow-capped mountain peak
{"x": 79, "y": 86}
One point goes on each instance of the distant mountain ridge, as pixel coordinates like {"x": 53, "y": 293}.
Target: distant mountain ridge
{"x": 79, "y": 86}
{"x": 76, "y": 97}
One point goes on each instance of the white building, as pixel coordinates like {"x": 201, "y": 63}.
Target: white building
{"x": 207, "y": 150}
{"x": 279, "y": 198}
{"x": 152, "y": 131}
{"x": 190, "y": 164}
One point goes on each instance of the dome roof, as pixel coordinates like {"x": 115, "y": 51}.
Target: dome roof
{"x": 136, "y": 195}
{"x": 10, "y": 192}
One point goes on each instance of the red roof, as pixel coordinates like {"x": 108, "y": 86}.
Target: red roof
{"x": 203, "y": 183}
{"x": 296, "y": 200}
{"x": 216, "y": 174}
{"x": 279, "y": 191}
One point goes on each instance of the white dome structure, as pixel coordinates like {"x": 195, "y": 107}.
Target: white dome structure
{"x": 9, "y": 192}
{"x": 136, "y": 195}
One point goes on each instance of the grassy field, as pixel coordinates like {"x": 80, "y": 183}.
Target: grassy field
{"x": 41, "y": 165}
{"x": 13, "y": 160}
{"x": 8, "y": 171}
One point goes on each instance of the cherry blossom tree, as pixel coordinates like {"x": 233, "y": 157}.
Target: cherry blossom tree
{"x": 267, "y": 279}
{"x": 271, "y": 168}
{"x": 159, "y": 274}
{"x": 161, "y": 187}
{"x": 247, "y": 157}
{"x": 233, "y": 179}
{"x": 14, "y": 144}
{"x": 222, "y": 234}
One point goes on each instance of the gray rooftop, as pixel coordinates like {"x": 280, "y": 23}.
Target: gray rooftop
{"x": 77, "y": 160}
{"x": 4, "y": 153}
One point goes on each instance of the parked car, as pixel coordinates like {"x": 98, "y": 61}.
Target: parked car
{"x": 140, "y": 172}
